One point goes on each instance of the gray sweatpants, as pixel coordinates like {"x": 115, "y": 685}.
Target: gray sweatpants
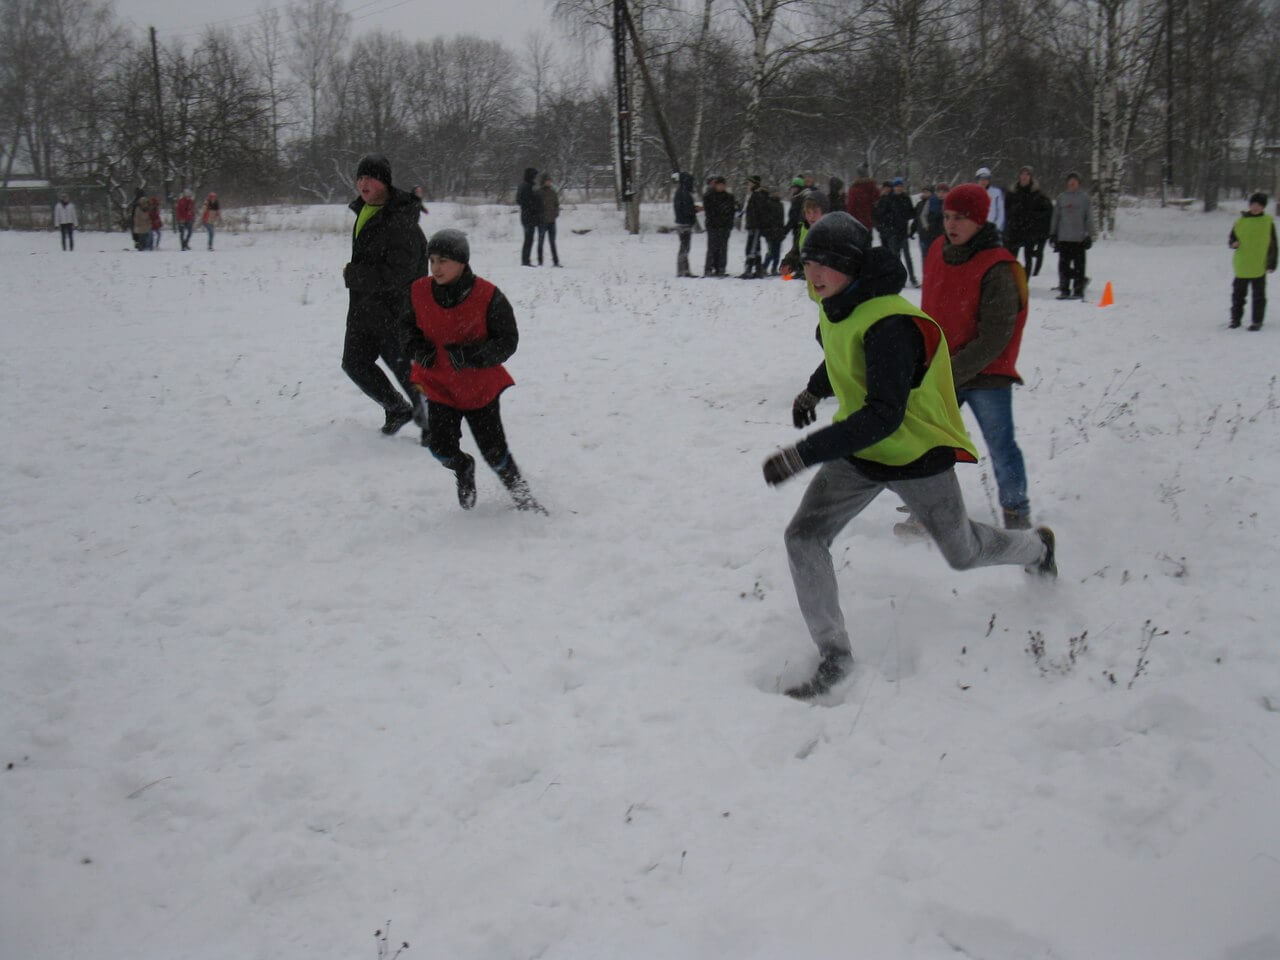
{"x": 839, "y": 492}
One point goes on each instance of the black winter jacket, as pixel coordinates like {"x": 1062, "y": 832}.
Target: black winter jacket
{"x": 683, "y": 205}
{"x": 719, "y": 208}
{"x": 895, "y": 353}
{"x": 1028, "y": 214}
{"x": 757, "y": 209}
{"x": 527, "y": 198}
{"x": 388, "y": 255}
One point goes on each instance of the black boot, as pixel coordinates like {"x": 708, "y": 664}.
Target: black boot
{"x": 509, "y": 474}
{"x": 397, "y": 417}
{"x": 464, "y": 469}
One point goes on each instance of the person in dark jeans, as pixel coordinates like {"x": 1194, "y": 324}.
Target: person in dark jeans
{"x": 527, "y": 199}
{"x": 388, "y": 252}
{"x": 720, "y": 207}
{"x": 548, "y": 210}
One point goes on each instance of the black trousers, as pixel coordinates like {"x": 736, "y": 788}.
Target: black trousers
{"x": 365, "y": 342}
{"x": 1240, "y": 290}
{"x": 68, "y": 235}
{"x": 547, "y": 231}
{"x": 528, "y": 244}
{"x": 444, "y": 427}
{"x": 1032, "y": 255}
{"x": 1071, "y": 264}
{"x": 901, "y": 249}
{"x": 184, "y": 234}
{"x": 717, "y": 251}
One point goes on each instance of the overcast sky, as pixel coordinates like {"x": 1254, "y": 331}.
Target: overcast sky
{"x": 506, "y": 20}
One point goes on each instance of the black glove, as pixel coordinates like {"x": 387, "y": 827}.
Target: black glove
{"x": 783, "y": 465}
{"x": 424, "y": 355}
{"x": 802, "y": 409}
{"x": 1088, "y": 242}
{"x": 457, "y": 356}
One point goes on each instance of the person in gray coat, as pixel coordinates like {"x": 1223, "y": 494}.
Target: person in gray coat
{"x": 1071, "y": 234}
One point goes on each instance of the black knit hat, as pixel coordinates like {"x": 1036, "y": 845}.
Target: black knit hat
{"x": 837, "y": 241}
{"x": 374, "y": 165}
{"x": 1259, "y": 198}
{"x": 451, "y": 244}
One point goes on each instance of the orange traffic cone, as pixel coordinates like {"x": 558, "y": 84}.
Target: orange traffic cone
{"x": 786, "y": 273}
{"x": 1107, "y": 297}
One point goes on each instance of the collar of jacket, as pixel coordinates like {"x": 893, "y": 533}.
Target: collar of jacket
{"x": 454, "y": 293}
{"x": 396, "y": 200}
{"x": 984, "y": 239}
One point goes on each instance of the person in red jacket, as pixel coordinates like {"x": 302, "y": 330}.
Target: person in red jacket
{"x": 977, "y": 292}
{"x": 860, "y": 203}
{"x": 461, "y": 331}
{"x": 185, "y": 214}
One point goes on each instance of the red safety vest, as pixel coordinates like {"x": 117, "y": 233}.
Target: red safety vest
{"x": 952, "y": 294}
{"x": 468, "y": 389}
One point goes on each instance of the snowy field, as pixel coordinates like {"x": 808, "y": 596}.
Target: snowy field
{"x": 264, "y": 686}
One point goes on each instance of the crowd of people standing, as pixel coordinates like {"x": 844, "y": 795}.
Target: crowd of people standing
{"x": 1024, "y": 217}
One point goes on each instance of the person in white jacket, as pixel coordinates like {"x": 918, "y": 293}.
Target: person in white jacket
{"x": 996, "y": 214}
{"x": 64, "y": 218}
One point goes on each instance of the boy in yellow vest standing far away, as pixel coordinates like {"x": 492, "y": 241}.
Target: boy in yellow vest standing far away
{"x": 898, "y": 426}
{"x": 1253, "y": 238}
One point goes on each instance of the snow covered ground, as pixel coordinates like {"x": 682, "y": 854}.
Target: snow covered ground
{"x": 263, "y": 686}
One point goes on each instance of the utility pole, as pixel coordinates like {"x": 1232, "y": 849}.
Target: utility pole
{"x": 1166, "y": 181}
{"x": 165, "y": 174}
{"x": 626, "y": 186}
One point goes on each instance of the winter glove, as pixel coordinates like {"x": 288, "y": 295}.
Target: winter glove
{"x": 1088, "y": 242}
{"x": 783, "y": 465}
{"x": 424, "y": 355}
{"x": 457, "y": 356}
{"x": 802, "y": 409}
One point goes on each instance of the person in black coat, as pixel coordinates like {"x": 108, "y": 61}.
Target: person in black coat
{"x": 686, "y": 210}
{"x": 757, "y": 214}
{"x": 388, "y": 252}
{"x": 527, "y": 198}
{"x": 1028, "y": 215}
{"x": 719, "y": 208}
{"x": 774, "y": 229}
{"x": 894, "y": 213}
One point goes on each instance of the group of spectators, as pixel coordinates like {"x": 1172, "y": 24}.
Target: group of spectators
{"x": 1025, "y": 218}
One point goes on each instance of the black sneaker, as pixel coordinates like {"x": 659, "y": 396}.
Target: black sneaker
{"x": 832, "y": 668}
{"x": 396, "y": 419}
{"x": 1064, "y": 294}
{"x": 1255, "y": 326}
{"x": 466, "y": 476}
{"x": 1048, "y": 565}
{"x": 1233, "y": 324}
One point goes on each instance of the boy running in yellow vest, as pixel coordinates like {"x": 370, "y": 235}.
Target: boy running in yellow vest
{"x": 898, "y": 427}
{"x": 1253, "y": 238}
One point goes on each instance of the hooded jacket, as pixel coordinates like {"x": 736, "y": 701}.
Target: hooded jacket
{"x": 527, "y": 198}
{"x": 897, "y": 356}
{"x": 683, "y": 205}
{"x": 389, "y": 253}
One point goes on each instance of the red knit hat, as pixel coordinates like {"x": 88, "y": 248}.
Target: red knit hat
{"x": 969, "y": 199}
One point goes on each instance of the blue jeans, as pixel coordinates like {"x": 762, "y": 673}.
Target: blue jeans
{"x": 993, "y": 409}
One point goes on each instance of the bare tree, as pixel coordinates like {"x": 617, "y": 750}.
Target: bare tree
{"x": 319, "y": 32}
{"x": 268, "y": 47}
